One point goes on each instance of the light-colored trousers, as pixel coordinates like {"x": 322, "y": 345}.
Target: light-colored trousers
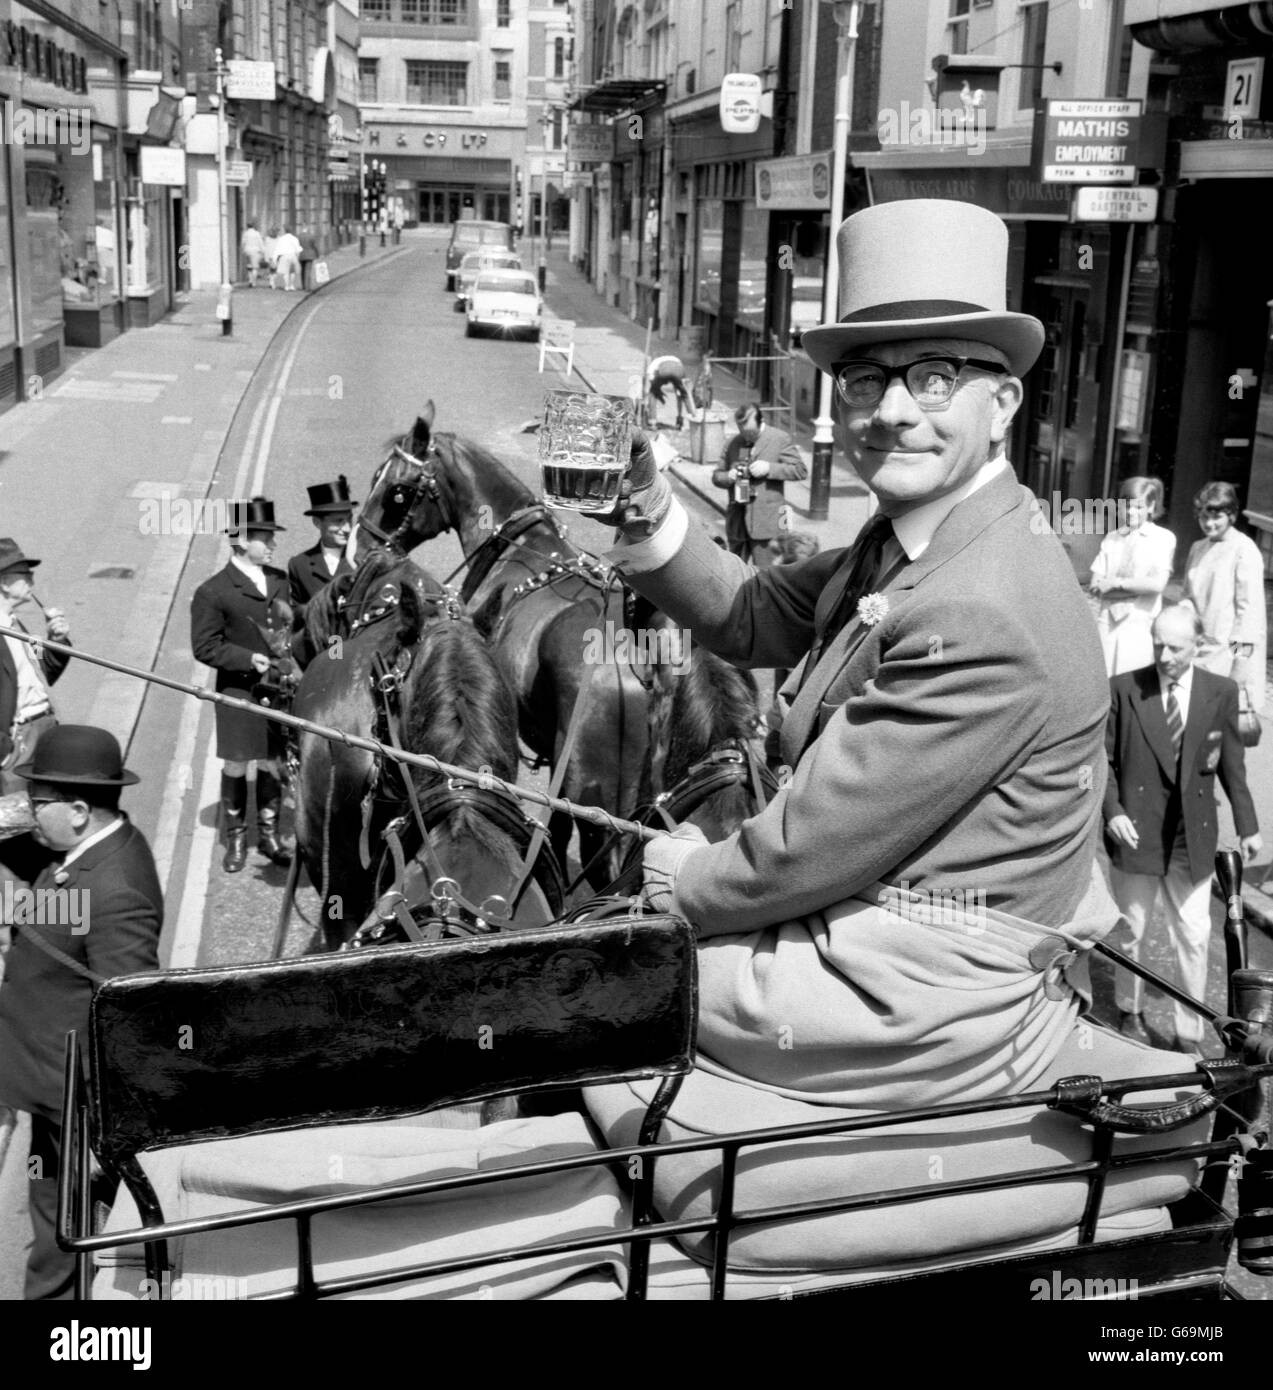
{"x": 1188, "y": 908}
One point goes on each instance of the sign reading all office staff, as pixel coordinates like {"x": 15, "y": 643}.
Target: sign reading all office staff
{"x": 1091, "y": 141}
{"x": 803, "y": 181}
{"x": 162, "y": 164}
{"x": 248, "y": 81}
{"x": 740, "y": 103}
{"x": 1115, "y": 204}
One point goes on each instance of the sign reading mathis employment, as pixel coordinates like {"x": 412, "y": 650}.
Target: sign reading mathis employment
{"x": 740, "y": 103}
{"x": 1091, "y": 141}
{"x": 1115, "y": 204}
{"x": 248, "y": 81}
{"x": 803, "y": 181}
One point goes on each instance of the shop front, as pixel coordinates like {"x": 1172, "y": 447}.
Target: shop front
{"x": 445, "y": 172}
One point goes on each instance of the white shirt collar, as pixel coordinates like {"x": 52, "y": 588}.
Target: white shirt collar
{"x": 1184, "y": 686}
{"x": 254, "y": 572}
{"x": 93, "y": 839}
{"x": 915, "y": 529}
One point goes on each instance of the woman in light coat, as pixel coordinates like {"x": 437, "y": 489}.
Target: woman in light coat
{"x": 1224, "y": 580}
{"x": 1129, "y": 576}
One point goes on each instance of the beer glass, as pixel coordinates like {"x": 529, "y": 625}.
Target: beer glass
{"x": 584, "y": 446}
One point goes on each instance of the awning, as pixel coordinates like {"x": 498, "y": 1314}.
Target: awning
{"x": 1203, "y": 25}
{"x": 617, "y": 94}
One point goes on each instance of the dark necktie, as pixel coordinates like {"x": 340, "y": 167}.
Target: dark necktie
{"x": 1175, "y": 725}
{"x": 864, "y": 566}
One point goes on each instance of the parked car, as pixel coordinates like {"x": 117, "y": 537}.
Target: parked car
{"x": 475, "y": 261}
{"x": 505, "y": 300}
{"x": 473, "y": 236}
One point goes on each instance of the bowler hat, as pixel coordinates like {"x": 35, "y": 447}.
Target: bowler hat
{"x": 11, "y": 556}
{"x": 79, "y": 755}
{"x": 924, "y": 268}
{"x": 330, "y": 497}
{"x": 254, "y": 515}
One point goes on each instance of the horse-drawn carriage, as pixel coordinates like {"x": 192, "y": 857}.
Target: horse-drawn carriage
{"x": 311, "y": 1128}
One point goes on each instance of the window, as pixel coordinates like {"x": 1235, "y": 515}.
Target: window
{"x": 733, "y": 36}
{"x": 503, "y": 80}
{"x": 957, "y": 26}
{"x": 434, "y": 11}
{"x": 556, "y": 128}
{"x": 374, "y": 10}
{"x": 368, "y": 79}
{"x": 503, "y": 17}
{"x": 559, "y": 57}
{"x": 437, "y": 84}
{"x": 1034, "y": 42}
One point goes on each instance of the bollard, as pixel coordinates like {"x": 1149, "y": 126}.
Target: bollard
{"x": 543, "y": 276}
{"x": 362, "y": 244}
{"x": 225, "y": 309}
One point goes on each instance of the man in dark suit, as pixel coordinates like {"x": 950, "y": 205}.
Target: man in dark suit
{"x": 240, "y": 624}
{"x": 1173, "y": 729}
{"x": 757, "y": 461}
{"x": 312, "y": 570}
{"x": 93, "y": 913}
{"x": 26, "y": 709}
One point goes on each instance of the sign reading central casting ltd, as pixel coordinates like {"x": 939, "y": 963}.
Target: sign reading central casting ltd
{"x": 1091, "y": 141}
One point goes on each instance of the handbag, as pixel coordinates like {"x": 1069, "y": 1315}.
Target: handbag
{"x": 1248, "y": 722}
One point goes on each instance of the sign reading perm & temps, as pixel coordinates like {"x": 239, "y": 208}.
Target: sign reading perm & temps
{"x": 1091, "y": 141}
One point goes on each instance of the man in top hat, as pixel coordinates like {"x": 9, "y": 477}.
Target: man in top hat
{"x": 332, "y": 509}
{"x": 911, "y": 907}
{"x": 104, "y": 921}
{"x": 26, "y": 673}
{"x": 240, "y": 624}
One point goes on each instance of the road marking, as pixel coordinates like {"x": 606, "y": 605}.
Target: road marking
{"x": 271, "y": 419}
{"x": 188, "y": 933}
{"x": 146, "y": 376}
{"x": 177, "y": 420}
{"x": 124, "y": 392}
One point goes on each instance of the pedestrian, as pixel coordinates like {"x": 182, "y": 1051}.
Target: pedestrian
{"x": 1173, "y": 732}
{"x": 26, "y": 673}
{"x": 240, "y": 624}
{"x": 309, "y": 254}
{"x": 1224, "y": 581}
{"x": 399, "y": 221}
{"x": 663, "y": 374}
{"x": 943, "y": 726}
{"x": 288, "y": 261}
{"x": 757, "y": 461}
{"x": 271, "y": 253}
{"x": 786, "y": 548}
{"x": 332, "y": 510}
{"x": 101, "y": 915}
{"x": 252, "y": 248}
{"x": 1129, "y": 575}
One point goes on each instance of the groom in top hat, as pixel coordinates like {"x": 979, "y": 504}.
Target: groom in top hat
{"x": 332, "y": 509}
{"x": 944, "y": 722}
{"x": 240, "y": 624}
{"x": 105, "y": 922}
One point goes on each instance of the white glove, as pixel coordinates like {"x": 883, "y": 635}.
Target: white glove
{"x": 662, "y": 860}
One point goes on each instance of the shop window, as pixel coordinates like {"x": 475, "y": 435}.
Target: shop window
{"x": 752, "y": 266}
{"x": 6, "y": 274}
{"x": 711, "y": 223}
{"x": 437, "y": 84}
{"x": 503, "y": 80}
{"x": 44, "y": 193}
{"x": 143, "y": 239}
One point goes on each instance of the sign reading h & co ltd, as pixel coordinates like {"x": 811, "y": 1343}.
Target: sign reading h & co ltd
{"x": 590, "y": 144}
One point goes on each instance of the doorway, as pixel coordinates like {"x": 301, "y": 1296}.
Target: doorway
{"x": 1061, "y": 426}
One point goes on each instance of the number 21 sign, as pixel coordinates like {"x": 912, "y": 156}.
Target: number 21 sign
{"x": 1242, "y": 89}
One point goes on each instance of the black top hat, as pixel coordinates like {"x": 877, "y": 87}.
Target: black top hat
{"x": 255, "y": 515}
{"x": 78, "y": 755}
{"x": 330, "y": 497}
{"x": 11, "y": 556}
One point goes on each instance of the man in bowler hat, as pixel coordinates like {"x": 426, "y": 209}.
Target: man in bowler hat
{"x": 105, "y": 921}
{"x": 240, "y": 624}
{"x": 756, "y": 463}
{"x": 944, "y": 721}
{"x": 332, "y": 510}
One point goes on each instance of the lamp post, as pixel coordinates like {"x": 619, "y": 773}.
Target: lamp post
{"x": 225, "y": 300}
{"x": 846, "y": 19}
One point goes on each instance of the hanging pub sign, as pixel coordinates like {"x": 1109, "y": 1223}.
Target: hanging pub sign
{"x": 740, "y": 103}
{"x": 590, "y": 144}
{"x": 1091, "y": 141}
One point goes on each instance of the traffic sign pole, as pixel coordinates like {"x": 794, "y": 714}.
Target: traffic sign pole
{"x": 225, "y": 301}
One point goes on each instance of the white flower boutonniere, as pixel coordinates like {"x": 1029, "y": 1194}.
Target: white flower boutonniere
{"x": 872, "y": 608}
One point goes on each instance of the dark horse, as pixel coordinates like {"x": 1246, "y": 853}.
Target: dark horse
{"x": 451, "y": 701}
{"x": 543, "y": 605}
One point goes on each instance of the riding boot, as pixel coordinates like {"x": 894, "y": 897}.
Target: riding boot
{"x": 234, "y": 807}
{"x": 267, "y": 807}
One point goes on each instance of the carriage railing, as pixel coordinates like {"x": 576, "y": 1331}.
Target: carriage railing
{"x": 725, "y": 1220}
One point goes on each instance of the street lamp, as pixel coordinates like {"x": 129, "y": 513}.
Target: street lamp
{"x": 847, "y": 13}
{"x": 225, "y": 304}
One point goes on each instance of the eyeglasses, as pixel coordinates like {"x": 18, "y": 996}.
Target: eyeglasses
{"x": 36, "y": 802}
{"x": 1214, "y": 511}
{"x": 930, "y": 380}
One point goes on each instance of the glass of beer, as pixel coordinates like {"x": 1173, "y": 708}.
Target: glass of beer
{"x": 584, "y": 446}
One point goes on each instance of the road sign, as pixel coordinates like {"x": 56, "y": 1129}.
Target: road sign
{"x": 1091, "y": 141}
{"x": 248, "y": 81}
{"x": 1115, "y": 204}
{"x": 238, "y": 172}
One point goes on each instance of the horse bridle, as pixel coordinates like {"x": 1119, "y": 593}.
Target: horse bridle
{"x": 406, "y": 493}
